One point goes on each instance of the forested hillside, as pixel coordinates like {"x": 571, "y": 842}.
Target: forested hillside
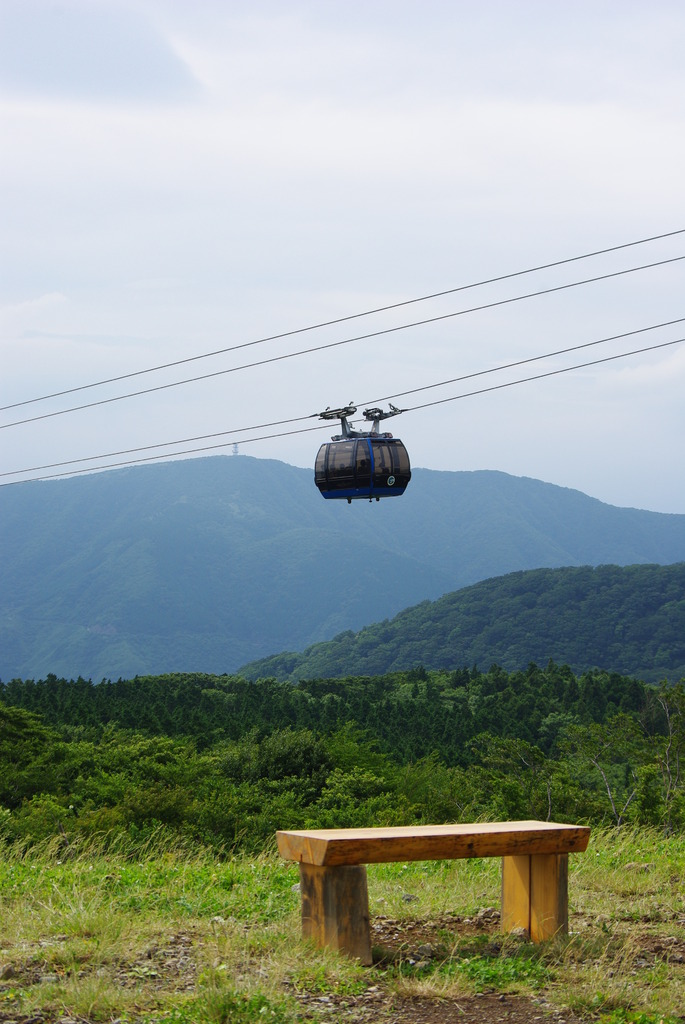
{"x": 207, "y": 564}
{"x": 224, "y": 761}
{"x": 631, "y": 619}
{"x": 445, "y": 709}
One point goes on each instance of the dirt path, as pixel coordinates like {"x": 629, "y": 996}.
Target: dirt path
{"x": 488, "y": 1008}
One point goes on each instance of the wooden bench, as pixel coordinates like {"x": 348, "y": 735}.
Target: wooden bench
{"x": 335, "y": 900}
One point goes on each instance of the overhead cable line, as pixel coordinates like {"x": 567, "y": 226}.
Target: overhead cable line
{"x": 530, "y": 359}
{"x": 344, "y": 319}
{"x": 162, "y": 444}
{"x": 344, "y": 341}
{"x": 550, "y": 373}
{"x": 304, "y": 430}
{"x": 168, "y": 455}
{"x": 374, "y": 401}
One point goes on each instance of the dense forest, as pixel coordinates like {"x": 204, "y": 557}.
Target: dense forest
{"x": 227, "y": 762}
{"x": 632, "y": 618}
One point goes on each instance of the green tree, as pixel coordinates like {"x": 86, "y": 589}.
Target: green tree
{"x": 525, "y": 774}
{"x": 665, "y": 717}
{"x": 615, "y": 749}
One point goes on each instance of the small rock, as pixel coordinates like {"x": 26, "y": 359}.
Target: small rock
{"x": 6, "y": 971}
{"x": 426, "y": 950}
{"x": 296, "y": 887}
{"x": 487, "y": 914}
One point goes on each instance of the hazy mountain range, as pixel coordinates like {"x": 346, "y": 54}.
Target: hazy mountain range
{"x": 208, "y": 564}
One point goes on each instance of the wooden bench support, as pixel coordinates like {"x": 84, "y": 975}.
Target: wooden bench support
{"x": 335, "y": 908}
{"x": 535, "y": 894}
{"x": 335, "y": 901}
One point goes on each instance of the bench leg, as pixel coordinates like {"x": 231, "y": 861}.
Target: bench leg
{"x": 535, "y": 894}
{"x": 515, "y": 893}
{"x": 335, "y": 908}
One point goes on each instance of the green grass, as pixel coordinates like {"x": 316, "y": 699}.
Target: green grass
{"x": 228, "y": 1007}
{"x": 181, "y": 935}
{"x": 630, "y": 1017}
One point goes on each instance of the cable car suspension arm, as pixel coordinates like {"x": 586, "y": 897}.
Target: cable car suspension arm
{"x": 374, "y": 416}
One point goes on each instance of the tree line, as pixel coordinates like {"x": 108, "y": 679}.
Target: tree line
{"x": 227, "y": 762}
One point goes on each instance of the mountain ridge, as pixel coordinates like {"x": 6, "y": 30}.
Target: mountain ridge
{"x": 628, "y": 620}
{"x": 208, "y": 564}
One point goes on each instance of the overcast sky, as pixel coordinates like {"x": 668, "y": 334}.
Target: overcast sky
{"x": 180, "y": 178}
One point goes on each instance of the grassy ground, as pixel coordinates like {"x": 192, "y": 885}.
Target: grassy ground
{"x": 182, "y": 936}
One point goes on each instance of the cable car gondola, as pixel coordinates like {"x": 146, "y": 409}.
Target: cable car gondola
{"x": 362, "y": 464}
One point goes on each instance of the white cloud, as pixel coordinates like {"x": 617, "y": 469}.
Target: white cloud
{"x": 101, "y": 51}
{"x": 48, "y": 300}
{"x": 332, "y": 159}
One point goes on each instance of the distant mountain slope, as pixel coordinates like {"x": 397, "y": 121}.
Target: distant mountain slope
{"x": 628, "y": 620}
{"x": 206, "y": 564}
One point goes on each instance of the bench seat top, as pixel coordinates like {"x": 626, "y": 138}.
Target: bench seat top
{"x": 337, "y": 846}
